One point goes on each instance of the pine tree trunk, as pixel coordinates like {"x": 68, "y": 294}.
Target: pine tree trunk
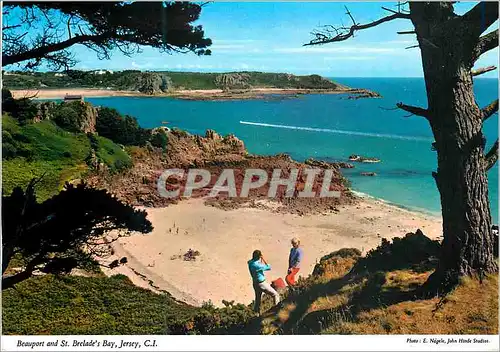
{"x": 456, "y": 122}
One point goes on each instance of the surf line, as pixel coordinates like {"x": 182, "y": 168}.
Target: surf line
{"x": 352, "y": 133}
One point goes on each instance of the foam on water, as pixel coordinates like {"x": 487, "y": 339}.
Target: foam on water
{"x": 328, "y": 130}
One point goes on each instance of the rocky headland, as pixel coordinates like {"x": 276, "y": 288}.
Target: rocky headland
{"x": 183, "y": 85}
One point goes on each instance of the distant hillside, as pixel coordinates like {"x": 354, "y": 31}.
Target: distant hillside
{"x": 158, "y": 82}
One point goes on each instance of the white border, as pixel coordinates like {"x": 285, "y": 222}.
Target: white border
{"x": 256, "y": 343}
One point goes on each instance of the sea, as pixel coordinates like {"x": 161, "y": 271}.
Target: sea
{"x": 331, "y": 127}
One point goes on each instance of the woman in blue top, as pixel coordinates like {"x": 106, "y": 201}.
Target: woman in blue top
{"x": 257, "y": 265}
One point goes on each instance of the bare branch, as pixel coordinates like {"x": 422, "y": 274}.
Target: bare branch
{"x": 492, "y": 156}
{"x": 69, "y": 26}
{"x": 482, "y": 70}
{"x": 389, "y": 10}
{"x": 412, "y": 46}
{"x": 407, "y": 32}
{"x": 44, "y": 50}
{"x": 489, "y": 110}
{"x": 348, "y": 13}
{"x": 11, "y": 27}
{"x": 485, "y": 43}
{"x": 414, "y": 110}
{"x": 346, "y": 33}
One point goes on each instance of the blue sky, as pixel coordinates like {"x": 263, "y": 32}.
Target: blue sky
{"x": 269, "y": 37}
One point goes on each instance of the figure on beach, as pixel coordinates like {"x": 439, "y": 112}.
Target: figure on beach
{"x": 257, "y": 265}
{"x": 294, "y": 260}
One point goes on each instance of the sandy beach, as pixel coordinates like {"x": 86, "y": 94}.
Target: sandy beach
{"x": 226, "y": 240}
{"x": 61, "y": 93}
{"x": 193, "y": 94}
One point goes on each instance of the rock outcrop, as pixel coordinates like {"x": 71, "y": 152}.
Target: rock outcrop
{"x": 328, "y": 165}
{"x": 362, "y": 159}
{"x": 88, "y": 118}
{"x": 150, "y": 83}
{"x": 153, "y": 83}
{"x": 217, "y": 153}
{"x": 233, "y": 81}
{"x": 79, "y": 116}
{"x": 363, "y": 93}
{"x": 45, "y": 110}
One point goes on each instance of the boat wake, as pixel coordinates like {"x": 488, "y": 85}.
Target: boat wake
{"x": 352, "y": 133}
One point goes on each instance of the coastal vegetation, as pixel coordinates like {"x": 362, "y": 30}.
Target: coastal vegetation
{"x": 54, "y": 224}
{"x": 346, "y": 294}
{"x": 49, "y": 223}
{"x": 36, "y": 149}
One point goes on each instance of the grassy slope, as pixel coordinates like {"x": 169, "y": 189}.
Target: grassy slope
{"x": 382, "y": 302}
{"x": 57, "y": 153}
{"x": 82, "y": 305}
{"x": 100, "y": 305}
{"x": 111, "y": 153}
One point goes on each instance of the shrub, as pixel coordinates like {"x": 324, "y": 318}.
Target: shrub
{"x": 110, "y": 153}
{"x": 23, "y": 110}
{"x": 7, "y": 137}
{"x": 19, "y": 137}
{"x": 414, "y": 251}
{"x": 159, "y": 139}
{"x": 67, "y": 117}
{"x": 120, "y": 129}
{"x": 121, "y": 164}
{"x": 6, "y": 94}
{"x": 9, "y": 151}
{"x": 179, "y": 133}
{"x": 210, "y": 320}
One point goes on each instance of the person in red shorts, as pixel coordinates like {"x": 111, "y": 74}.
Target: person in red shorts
{"x": 294, "y": 260}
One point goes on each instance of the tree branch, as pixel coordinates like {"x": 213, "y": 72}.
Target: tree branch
{"x": 481, "y": 16}
{"x": 322, "y": 38}
{"x": 485, "y": 43}
{"x": 482, "y": 70}
{"x": 414, "y": 110}
{"x": 490, "y": 110}
{"x": 407, "y": 32}
{"x": 492, "y": 156}
{"x": 50, "y": 48}
{"x": 10, "y": 281}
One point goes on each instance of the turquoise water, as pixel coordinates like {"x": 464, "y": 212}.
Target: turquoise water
{"x": 331, "y": 127}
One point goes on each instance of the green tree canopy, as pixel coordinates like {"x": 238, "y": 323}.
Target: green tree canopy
{"x": 41, "y": 32}
{"x": 61, "y": 227}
